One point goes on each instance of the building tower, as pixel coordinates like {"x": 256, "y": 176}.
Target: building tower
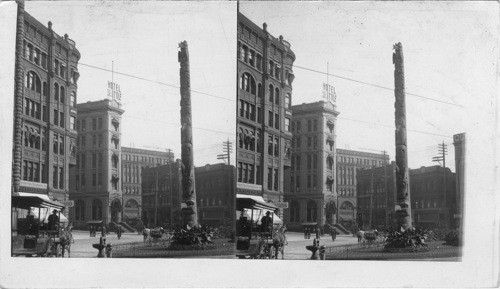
{"x": 310, "y": 189}
{"x": 44, "y": 144}
{"x": 97, "y": 191}
{"x": 264, "y": 97}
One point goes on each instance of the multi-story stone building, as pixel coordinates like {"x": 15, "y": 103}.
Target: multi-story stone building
{"x": 309, "y": 188}
{"x": 133, "y": 162}
{"x": 265, "y": 76}
{"x": 96, "y": 190}
{"x": 459, "y": 143}
{"x": 44, "y": 143}
{"x": 215, "y": 194}
{"x": 348, "y": 164}
{"x": 432, "y": 205}
{"x": 375, "y": 193}
{"x": 433, "y": 197}
{"x": 162, "y": 194}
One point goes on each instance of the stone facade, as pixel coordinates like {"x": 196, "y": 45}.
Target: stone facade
{"x": 348, "y": 163}
{"x": 215, "y": 194}
{"x": 310, "y": 182}
{"x": 264, "y": 95}
{"x": 133, "y": 162}
{"x": 44, "y": 144}
{"x": 96, "y": 186}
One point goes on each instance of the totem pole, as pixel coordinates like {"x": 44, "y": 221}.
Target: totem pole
{"x": 189, "y": 210}
{"x": 402, "y": 208}
{"x": 18, "y": 99}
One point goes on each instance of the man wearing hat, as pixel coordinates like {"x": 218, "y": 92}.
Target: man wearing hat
{"x": 53, "y": 221}
{"x": 266, "y": 222}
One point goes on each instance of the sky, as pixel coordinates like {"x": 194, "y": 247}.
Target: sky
{"x": 141, "y": 39}
{"x": 449, "y": 52}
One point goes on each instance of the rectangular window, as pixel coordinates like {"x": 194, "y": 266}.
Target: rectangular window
{"x": 269, "y": 178}
{"x": 54, "y": 177}
{"x": 297, "y": 168}
{"x": 61, "y": 145}
{"x": 94, "y": 140}
{"x": 250, "y": 174}
{"x": 100, "y": 140}
{"x": 94, "y": 180}
{"x": 287, "y": 124}
{"x": 45, "y": 113}
{"x": 308, "y": 181}
{"x": 100, "y": 123}
{"x": 259, "y": 177}
{"x": 94, "y": 161}
{"x": 276, "y": 121}
{"x": 77, "y": 182}
{"x": 56, "y": 117}
{"x": 61, "y": 178}
{"x": 314, "y": 181}
{"x": 61, "y": 119}
{"x": 297, "y": 185}
{"x": 245, "y": 173}
{"x": 44, "y": 174}
{"x": 240, "y": 171}
{"x": 270, "y": 145}
{"x": 315, "y": 125}
{"x": 94, "y": 124}
{"x": 315, "y": 142}
{"x": 276, "y": 147}
{"x": 276, "y": 179}
{"x": 25, "y": 170}
{"x": 309, "y": 125}
{"x": 84, "y": 125}
{"x": 83, "y": 181}
{"x": 259, "y": 114}
{"x": 298, "y": 126}
{"x": 309, "y": 142}
{"x": 271, "y": 121}
{"x": 83, "y": 161}
{"x": 72, "y": 122}
{"x": 55, "y": 141}
{"x": 99, "y": 181}
{"x": 292, "y": 184}
{"x": 308, "y": 162}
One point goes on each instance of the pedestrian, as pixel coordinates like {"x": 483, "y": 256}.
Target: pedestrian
{"x": 317, "y": 233}
{"x": 333, "y": 232}
{"x": 305, "y": 232}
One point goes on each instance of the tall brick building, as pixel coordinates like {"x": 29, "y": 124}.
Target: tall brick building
{"x": 44, "y": 140}
{"x": 97, "y": 190}
{"x": 265, "y": 76}
{"x": 310, "y": 182}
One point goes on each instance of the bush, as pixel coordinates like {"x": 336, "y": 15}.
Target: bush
{"x": 413, "y": 239}
{"x": 191, "y": 236}
{"x": 452, "y": 238}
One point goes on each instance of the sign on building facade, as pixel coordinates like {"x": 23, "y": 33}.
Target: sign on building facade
{"x": 114, "y": 92}
{"x": 329, "y": 93}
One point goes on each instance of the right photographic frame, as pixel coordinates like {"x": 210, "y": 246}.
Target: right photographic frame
{"x": 346, "y": 147}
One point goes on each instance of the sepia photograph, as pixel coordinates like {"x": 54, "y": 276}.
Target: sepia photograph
{"x": 221, "y": 144}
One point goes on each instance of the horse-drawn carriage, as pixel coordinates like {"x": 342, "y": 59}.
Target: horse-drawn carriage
{"x": 254, "y": 241}
{"x": 31, "y": 236}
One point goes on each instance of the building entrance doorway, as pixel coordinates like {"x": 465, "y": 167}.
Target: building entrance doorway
{"x": 116, "y": 208}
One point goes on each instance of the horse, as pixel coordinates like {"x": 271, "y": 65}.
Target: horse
{"x": 66, "y": 238}
{"x": 279, "y": 241}
{"x": 146, "y": 233}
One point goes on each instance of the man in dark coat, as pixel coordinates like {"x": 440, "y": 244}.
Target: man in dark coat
{"x": 53, "y": 221}
{"x": 266, "y": 223}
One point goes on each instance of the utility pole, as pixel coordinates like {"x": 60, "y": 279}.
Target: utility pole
{"x": 371, "y": 201}
{"x": 227, "y": 149}
{"x": 171, "y": 191}
{"x": 385, "y": 189}
{"x": 443, "y": 150}
{"x": 156, "y": 193}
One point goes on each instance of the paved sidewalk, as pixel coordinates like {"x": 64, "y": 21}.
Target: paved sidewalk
{"x": 82, "y": 247}
{"x": 296, "y": 248}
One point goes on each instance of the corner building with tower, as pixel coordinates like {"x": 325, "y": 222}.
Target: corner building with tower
{"x": 264, "y": 95}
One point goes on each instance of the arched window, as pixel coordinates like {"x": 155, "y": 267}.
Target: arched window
{"x": 271, "y": 93}
{"x": 33, "y": 82}
{"x": 56, "y": 92}
{"x": 96, "y": 209}
{"x": 311, "y": 211}
{"x": 347, "y": 206}
{"x": 62, "y": 96}
{"x": 247, "y": 83}
{"x": 294, "y": 212}
{"x": 132, "y": 204}
{"x": 80, "y": 210}
{"x": 277, "y": 96}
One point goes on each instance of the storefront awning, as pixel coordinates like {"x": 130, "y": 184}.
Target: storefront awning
{"x": 35, "y": 201}
{"x": 253, "y": 202}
